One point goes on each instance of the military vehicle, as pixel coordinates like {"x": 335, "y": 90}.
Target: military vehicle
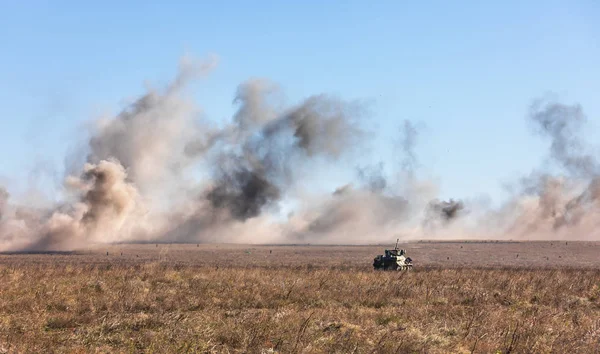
{"x": 395, "y": 259}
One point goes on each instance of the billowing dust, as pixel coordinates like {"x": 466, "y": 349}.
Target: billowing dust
{"x": 139, "y": 180}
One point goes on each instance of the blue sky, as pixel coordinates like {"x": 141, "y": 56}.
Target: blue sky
{"x": 466, "y": 71}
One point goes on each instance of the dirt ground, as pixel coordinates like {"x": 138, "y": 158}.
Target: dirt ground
{"x": 462, "y": 297}
{"x": 425, "y": 254}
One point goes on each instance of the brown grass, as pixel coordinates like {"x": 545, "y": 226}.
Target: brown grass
{"x": 162, "y": 307}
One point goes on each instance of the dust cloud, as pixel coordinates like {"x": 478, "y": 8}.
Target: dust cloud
{"x": 566, "y": 204}
{"x": 139, "y": 181}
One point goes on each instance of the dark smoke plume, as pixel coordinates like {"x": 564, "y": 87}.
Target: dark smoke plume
{"x": 446, "y": 210}
{"x": 243, "y": 192}
{"x": 259, "y": 165}
{"x": 562, "y": 124}
{"x": 442, "y": 212}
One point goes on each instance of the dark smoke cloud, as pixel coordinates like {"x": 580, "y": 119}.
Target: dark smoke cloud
{"x": 562, "y": 124}
{"x": 324, "y": 125}
{"x": 444, "y": 212}
{"x": 244, "y": 192}
{"x": 259, "y": 164}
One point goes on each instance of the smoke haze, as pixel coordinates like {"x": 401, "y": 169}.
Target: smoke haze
{"x": 137, "y": 180}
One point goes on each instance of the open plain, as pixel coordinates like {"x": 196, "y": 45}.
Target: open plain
{"x": 461, "y": 297}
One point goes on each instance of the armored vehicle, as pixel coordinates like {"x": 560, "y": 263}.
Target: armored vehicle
{"x": 395, "y": 259}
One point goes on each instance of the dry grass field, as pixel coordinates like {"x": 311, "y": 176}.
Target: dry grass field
{"x": 462, "y": 297}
